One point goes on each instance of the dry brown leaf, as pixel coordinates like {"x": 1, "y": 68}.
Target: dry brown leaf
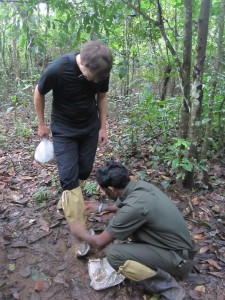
{"x": 44, "y": 225}
{"x": 203, "y": 249}
{"x": 39, "y": 285}
{"x": 26, "y": 177}
{"x": 150, "y": 171}
{"x": 2, "y": 185}
{"x": 165, "y": 177}
{"x": 197, "y": 295}
{"x": 218, "y": 274}
{"x": 195, "y": 201}
{"x": 214, "y": 264}
{"x": 200, "y": 288}
{"x": 216, "y": 208}
{"x": 198, "y": 236}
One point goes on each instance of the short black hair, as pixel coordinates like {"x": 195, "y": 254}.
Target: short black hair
{"x": 113, "y": 174}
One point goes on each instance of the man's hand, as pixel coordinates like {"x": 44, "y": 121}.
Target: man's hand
{"x": 43, "y": 131}
{"x": 102, "y": 137}
{"x": 90, "y": 207}
{"x": 97, "y": 241}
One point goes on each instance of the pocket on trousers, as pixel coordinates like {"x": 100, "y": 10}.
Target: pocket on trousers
{"x": 176, "y": 259}
{"x": 181, "y": 266}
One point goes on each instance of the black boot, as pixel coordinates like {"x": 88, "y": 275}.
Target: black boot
{"x": 164, "y": 285}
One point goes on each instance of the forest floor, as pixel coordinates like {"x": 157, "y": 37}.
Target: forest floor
{"x": 37, "y": 258}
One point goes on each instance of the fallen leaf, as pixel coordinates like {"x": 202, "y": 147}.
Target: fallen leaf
{"x": 198, "y": 236}
{"x": 196, "y": 295}
{"x": 20, "y": 201}
{"x": 19, "y": 244}
{"x": 44, "y": 225}
{"x": 195, "y": 201}
{"x": 2, "y": 185}
{"x": 218, "y": 274}
{"x": 16, "y": 295}
{"x": 165, "y": 177}
{"x": 11, "y": 267}
{"x": 62, "y": 267}
{"x": 26, "y": 177}
{"x": 15, "y": 256}
{"x": 34, "y": 274}
{"x": 25, "y": 272}
{"x": 39, "y": 285}
{"x": 200, "y": 288}
{"x": 214, "y": 264}
{"x": 59, "y": 279}
{"x": 216, "y": 208}
{"x": 15, "y": 196}
{"x": 203, "y": 249}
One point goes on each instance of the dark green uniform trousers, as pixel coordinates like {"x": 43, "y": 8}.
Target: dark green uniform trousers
{"x": 176, "y": 263}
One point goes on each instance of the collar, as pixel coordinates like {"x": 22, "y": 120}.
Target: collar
{"x": 128, "y": 189}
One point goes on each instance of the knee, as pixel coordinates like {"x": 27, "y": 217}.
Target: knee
{"x": 115, "y": 257}
{"x": 84, "y": 173}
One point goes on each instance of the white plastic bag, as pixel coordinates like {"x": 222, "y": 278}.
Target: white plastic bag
{"x": 102, "y": 274}
{"x": 44, "y": 151}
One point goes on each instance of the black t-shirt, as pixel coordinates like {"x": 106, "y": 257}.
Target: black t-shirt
{"x": 74, "y": 97}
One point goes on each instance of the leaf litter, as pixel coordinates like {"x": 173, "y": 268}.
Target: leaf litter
{"x": 37, "y": 259}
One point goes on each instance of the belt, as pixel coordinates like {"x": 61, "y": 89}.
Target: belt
{"x": 186, "y": 253}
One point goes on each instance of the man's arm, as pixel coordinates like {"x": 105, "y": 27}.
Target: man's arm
{"x": 102, "y": 109}
{"x": 39, "y": 104}
{"x": 96, "y": 241}
{"x": 93, "y": 207}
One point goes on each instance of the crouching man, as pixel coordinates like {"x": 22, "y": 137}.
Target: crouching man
{"x": 161, "y": 245}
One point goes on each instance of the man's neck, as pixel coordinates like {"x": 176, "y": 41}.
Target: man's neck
{"x": 78, "y": 60}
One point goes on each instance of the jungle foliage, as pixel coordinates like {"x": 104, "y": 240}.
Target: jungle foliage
{"x": 167, "y": 81}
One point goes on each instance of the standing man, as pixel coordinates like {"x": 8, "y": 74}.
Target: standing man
{"x": 161, "y": 245}
{"x": 79, "y": 83}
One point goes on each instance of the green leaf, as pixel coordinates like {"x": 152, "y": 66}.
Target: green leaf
{"x": 123, "y": 71}
{"x": 187, "y": 167}
{"x": 175, "y": 163}
{"x": 11, "y": 267}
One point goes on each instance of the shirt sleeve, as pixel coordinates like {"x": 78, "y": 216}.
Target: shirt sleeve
{"x": 103, "y": 86}
{"x": 128, "y": 219}
{"x": 48, "y": 79}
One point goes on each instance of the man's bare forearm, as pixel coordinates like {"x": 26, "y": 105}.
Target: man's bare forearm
{"x": 95, "y": 241}
{"x": 39, "y": 104}
{"x": 110, "y": 207}
{"x": 102, "y": 108}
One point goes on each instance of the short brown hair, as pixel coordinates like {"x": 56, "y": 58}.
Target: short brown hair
{"x": 97, "y": 57}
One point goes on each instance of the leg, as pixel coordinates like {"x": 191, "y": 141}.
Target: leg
{"x": 66, "y": 153}
{"x": 150, "y": 256}
{"x": 147, "y": 255}
{"x": 146, "y": 264}
{"x": 87, "y": 147}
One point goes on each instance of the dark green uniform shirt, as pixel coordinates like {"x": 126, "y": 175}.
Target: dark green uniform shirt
{"x": 150, "y": 217}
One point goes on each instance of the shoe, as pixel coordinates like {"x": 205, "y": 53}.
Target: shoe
{"x": 164, "y": 285}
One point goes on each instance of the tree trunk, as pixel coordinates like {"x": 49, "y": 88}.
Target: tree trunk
{"x": 15, "y": 62}
{"x": 167, "y": 72}
{"x": 186, "y": 70}
{"x": 218, "y": 65}
{"x": 196, "y": 89}
{"x": 221, "y": 126}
